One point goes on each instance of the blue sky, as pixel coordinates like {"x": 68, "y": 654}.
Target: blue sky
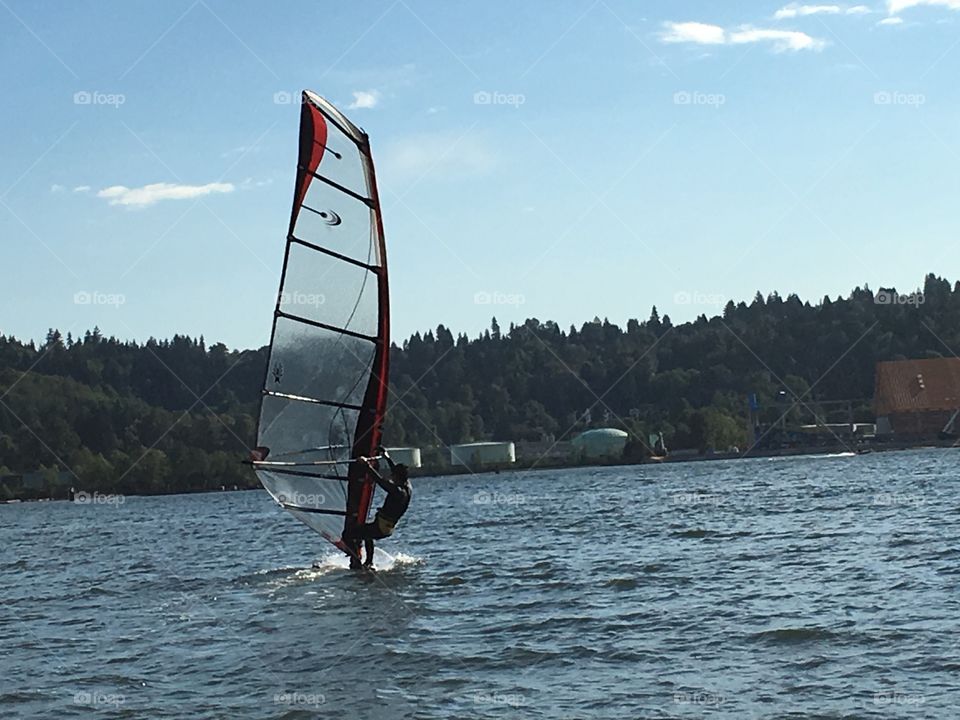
{"x": 558, "y": 160}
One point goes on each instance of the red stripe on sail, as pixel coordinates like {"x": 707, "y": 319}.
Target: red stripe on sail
{"x": 370, "y": 422}
{"x": 313, "y": 143}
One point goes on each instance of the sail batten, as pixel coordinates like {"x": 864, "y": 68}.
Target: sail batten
{"x": 324, "y": 393}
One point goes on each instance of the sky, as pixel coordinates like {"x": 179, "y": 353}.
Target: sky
{"x": 559, "y": 160}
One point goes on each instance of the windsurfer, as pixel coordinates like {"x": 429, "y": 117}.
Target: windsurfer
{"x": 398, "y": 491}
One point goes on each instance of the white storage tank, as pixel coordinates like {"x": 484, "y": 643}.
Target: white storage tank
{"x": 409, "y": 456}
{"x": 600, "y": 443}
{"x": 480, "y": 454}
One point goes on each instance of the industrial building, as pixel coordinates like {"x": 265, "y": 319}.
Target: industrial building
{"x": 409, "y": 456}
{"x": 600, "y": 443}
{"x": 916, "y": 398}
{"x": 483, "y": 454}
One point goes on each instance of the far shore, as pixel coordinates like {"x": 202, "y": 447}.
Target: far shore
{"x": 525, "y": 465}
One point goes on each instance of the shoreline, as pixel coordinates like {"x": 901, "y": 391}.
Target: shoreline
{"x": 521, "y": 466}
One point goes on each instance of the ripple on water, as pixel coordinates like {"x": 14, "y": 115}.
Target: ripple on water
{"x": 209, "y": 605}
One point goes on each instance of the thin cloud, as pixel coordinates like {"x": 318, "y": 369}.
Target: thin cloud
{"x": 57, "y": 188}
{"x": 436, "y": 156}
{"x": 794, "y": 10}
{"x": 82, "y": 189}
{"x": 898, "y": 6}
{"x": 693, "y": 32}
{"x": 703, "y": 34}
{"x": 364, "y": 100}
{"x": 150, "y": 194}
{"x": 891, "y": 21}
{"x": 782, "y": 40}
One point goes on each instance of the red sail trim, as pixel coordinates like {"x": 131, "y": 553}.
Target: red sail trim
{"x": 313, "y": 143}
{"x": 370, "y": 422}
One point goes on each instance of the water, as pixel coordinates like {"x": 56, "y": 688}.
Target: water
{"x": 768, "y": 588}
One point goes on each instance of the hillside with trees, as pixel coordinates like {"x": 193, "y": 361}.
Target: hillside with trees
{"x": 177, "y": 415}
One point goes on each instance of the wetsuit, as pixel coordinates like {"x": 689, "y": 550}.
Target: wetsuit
{"x": 398, "y": 493}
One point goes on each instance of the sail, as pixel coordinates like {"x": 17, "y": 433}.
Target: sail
{"x": 325, "y": 389}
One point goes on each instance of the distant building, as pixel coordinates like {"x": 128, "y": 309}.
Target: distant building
{"x": 409, "y": 456}
{"x": 916, "y": 397}
{"x": 600, "y": 443}
{"x": 481, "y": 454}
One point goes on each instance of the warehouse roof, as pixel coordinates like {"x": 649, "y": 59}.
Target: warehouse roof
{"x": 917, "y": 386}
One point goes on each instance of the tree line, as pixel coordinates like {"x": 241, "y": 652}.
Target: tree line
{"x": 177, "y": 415}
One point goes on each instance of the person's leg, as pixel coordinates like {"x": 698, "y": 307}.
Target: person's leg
{"x": 368, "y": 547}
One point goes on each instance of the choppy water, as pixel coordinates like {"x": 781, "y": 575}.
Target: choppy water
{"x": 769, "y": 588}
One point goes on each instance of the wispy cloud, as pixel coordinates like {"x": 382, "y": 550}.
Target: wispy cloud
{"x": 891, "y": 21}
{"x": 57, "y": 188}
{"x": 897, "y": 6}
{"x": 82, "y": 189}
{"x": 693, "y": 32}
{"x": 795, "y": 10}
{"x": 365, "y": 99}
{"x": 442, "y": 155}
{"x": 150, "y": 194}
{"x": 703, "y": 34}
{"x": 782, "y": 40}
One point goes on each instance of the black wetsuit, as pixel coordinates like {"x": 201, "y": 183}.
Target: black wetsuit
{"x": 387, "y": 517}
{"x": 389, "y": 514}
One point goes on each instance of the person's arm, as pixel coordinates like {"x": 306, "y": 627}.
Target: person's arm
{"x": 384, "y": 484}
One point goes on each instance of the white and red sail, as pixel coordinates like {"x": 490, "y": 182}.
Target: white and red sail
{"x": 325, "y": 390}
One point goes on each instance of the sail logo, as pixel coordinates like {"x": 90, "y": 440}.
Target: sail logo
{"x": 85, "y": 97}
{"x": 484, "y": 97}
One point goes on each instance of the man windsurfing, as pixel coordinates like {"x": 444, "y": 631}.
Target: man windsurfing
{"x": 399, "y": 492}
